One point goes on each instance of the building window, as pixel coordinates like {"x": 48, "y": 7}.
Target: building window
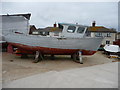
{"x": 48, "y": 33}
{"x": 35, "y": 32}
{"x": 108, "y": 34}
{"x": 71, "y": 29}
{"x": 98, "y": 34}
{"x": 80, "y": 30}
{"x": 43, "y": 33}
{"x": 107, "y": 42}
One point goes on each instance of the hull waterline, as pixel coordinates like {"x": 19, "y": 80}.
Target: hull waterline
{"x": 24, "y": 49}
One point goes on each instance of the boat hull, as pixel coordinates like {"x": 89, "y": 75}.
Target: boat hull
{"x": 54, "y": 45}
{"x": 24, "y": 49}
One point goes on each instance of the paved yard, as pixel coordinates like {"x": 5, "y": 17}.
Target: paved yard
{"x": 98, "y": 76}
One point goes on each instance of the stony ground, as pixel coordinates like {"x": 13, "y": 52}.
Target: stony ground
{"x": 13, "y": 67}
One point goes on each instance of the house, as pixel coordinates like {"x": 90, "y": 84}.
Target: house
{"x": 51, "y": 31}
{"x": 48, "y": 31}
{"x": 18, "y": 23}
{"x": 56, "y": 32}
{"x": 101, "y": 31}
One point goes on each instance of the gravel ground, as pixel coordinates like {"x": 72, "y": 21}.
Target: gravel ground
{"x": 13, "y": 67}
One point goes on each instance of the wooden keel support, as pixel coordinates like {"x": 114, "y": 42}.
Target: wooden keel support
{"x": 80, "y": 57}
{"x": 77, "y": 57}
{"x": 38, "y": 57}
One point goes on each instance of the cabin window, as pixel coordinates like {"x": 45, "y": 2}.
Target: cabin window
{"x": 88, "y": 33}
{"x": 60, "y": 26}
{"x": 71, "y": 29}
{"x": 80, "y": 30}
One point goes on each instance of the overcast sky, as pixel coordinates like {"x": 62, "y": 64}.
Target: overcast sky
{"x": 46, "y": 13}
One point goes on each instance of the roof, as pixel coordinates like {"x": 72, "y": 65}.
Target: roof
{"x": 47, "y": 29}
{"x": 32, "y": 26}
{"x": 100, "y": 29}
{"x": 50, "y": 29}
{"x": 27, "y": 16}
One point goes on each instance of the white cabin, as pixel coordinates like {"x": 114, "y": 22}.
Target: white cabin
{"x": 72, "y": 30}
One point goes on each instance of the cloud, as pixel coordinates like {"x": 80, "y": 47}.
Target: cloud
{"x": 46, "y": 13}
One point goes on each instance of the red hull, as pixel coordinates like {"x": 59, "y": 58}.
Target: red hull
{"x": 31, "y": 50}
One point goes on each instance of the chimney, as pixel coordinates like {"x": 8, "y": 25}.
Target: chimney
{"x": 93, "y": 24}
{"x": 55, "y": 25}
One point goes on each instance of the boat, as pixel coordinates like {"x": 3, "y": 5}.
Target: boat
{"x": 112, "y": 50}
{"x": 71, "y": 40}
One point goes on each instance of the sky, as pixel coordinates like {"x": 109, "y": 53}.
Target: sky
{"x": 45, "y": 14}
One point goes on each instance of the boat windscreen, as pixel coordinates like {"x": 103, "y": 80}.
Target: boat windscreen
{"x": 80, "y": 29}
